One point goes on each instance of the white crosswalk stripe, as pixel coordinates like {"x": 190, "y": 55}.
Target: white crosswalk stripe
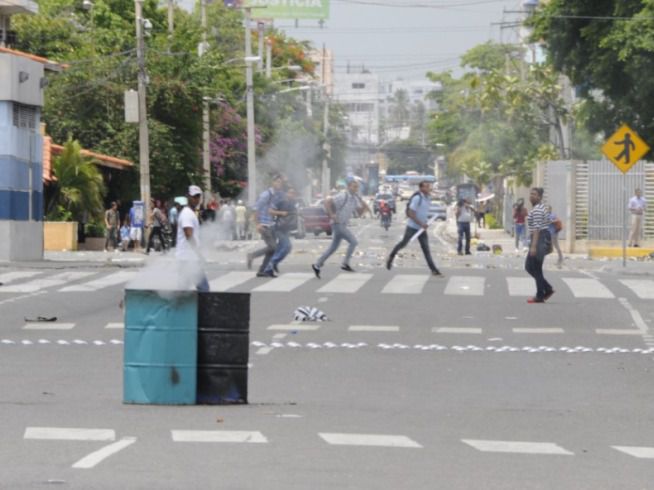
{"x": 346, "y": 283}
{"x": 378, "y": 440}
{"x": 465, "y": 286}
{"x": 406, "y": 284}
{"x": 588, "y": 288}
{"x": 225, "y": 436}
{"x": 230, "y": 280}
{"x": 49, "y": 282}
{"x": 518, "y": 447}
{"x": 113, "y": 279}
{"x": 643, "y": 288}
{"x": 636, "y": 451}
{"x": 284, "y": 283}
{"x": 8, "y": 277}
{"x": 521, "y": 286}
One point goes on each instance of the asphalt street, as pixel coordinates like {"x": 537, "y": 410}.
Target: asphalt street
{"x": 414, "y": 382}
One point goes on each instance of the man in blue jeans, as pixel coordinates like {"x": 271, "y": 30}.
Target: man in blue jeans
{"x": 418, "y": 214}
{"x": 285, "y": 211}
{"x": 340, "y": 209}
{"x": 464, "y": 214}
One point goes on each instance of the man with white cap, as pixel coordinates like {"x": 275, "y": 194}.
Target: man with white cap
{"x": 188, "y": 238}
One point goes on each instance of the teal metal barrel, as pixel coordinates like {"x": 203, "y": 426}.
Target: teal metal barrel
{"x": 160, "y": 357}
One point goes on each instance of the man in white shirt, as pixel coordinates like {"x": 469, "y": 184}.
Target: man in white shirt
{"x": 188, "y": 240}
{"x": 637, "y": 206}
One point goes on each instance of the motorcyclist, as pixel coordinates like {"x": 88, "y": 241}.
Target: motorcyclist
{"x": 385, "y": 213}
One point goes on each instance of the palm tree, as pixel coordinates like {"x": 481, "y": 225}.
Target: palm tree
{"x": 78, "y": 187}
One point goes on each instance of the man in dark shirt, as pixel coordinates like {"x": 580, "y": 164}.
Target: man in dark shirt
{"x": 285, "y": 211}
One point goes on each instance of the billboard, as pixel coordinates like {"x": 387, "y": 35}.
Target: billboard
{"x": 286, "y": 9}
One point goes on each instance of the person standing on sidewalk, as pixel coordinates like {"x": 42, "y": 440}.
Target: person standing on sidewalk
{"x": 285, "y": 212}
{"x": 519, "y": 216}
{"x": 241, "y": 220}
{"x": 173, "y": 216}
{"x": 340, "y": 209}
{"x": 158, "y": 219}
{"x": 538, "y": 222}
{"x": 188, "y": 252}
{"x": 418, "y": 214}
{"x": 111, "y": 222}
{"x": 637, "y": 206}
{"x": 464, "y": 214}
{"x": 265, "y": 223}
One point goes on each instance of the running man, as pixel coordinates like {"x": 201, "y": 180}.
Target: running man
{"x": 266, "y": 224}
{"x": 418, "y": 214}
{"x": 340, "y": 209}
{"x": 285, "y": 212}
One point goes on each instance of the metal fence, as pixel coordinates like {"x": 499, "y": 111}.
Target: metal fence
{"x": 599, "y": 201}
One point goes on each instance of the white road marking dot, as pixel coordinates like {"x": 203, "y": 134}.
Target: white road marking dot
{"x": 636, "y": 451}
{"x": 378, "y": 440}
{"x": 373, "y": 328}
{"x": 218, "y": 436}
{"x": 69, "y": 434}
{"x": 517, "y": 447}
{"x": 49, "y": 326}
{"x": 461, "y": 330}
{"x": 100, "y": 455}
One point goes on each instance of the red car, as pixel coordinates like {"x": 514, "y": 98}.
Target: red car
{"x": 316, "y": 219}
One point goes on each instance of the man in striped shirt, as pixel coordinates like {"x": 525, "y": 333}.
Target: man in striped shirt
{"x": 538, "y": 222}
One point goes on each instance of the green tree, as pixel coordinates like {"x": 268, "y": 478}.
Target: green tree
{"x": 408, "y": 155}
{"x": 606, "y": 48}
{"x": 78, "y": 185}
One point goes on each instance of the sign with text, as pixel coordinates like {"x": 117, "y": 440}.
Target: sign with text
{"x": 288, "y": 9}
{"x": 625, "y": 148}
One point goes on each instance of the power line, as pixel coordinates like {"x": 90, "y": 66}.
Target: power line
{"x": 440, "y": 6}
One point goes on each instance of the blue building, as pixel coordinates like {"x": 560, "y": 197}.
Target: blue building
{"x": 21, "y": 145}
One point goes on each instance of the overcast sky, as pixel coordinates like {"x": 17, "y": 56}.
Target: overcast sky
{"x": 405, "y": 42}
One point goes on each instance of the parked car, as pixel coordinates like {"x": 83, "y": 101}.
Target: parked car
{"x": 388, "y": 197}
{"x": 438, "y": 209}
{"x": 315, "y": 219}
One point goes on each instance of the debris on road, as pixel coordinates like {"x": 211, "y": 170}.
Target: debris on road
{"x": 309, "y": 314}
{"x": 41, "y": 319}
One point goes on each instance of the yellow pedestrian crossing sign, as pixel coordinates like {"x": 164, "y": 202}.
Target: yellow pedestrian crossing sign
{"x": 625, "y": 148}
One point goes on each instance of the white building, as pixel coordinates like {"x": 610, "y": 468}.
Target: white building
{"x": 358, "y": 93}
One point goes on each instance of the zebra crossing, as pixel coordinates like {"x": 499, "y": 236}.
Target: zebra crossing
{"x": 404, "y": 284}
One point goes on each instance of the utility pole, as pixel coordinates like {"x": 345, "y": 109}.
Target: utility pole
{"x": 260, "y": 30}
{"x": 325, "y": 177}
{"x": 268, "y": 58}
{"x": 171, "y": 17}
{"x": 252, "y": 170}
{"x": 308, "y": 102}
{"x": 206, "y": 159}
{"x": 144, "y": 138}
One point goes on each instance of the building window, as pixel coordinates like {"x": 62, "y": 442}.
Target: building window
{"x": 358, "y": 85}
{"x": 24, "y": 116}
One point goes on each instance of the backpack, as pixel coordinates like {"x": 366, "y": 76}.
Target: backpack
{"x": 408, "y": 203}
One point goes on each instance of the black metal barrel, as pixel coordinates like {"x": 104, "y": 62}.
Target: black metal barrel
{"x": 223, "y": 348}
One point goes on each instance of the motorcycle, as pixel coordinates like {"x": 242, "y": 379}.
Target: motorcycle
{"x": 385, "y": 218}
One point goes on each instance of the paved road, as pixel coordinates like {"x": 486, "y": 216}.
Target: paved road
{"x": 415, "y": 382}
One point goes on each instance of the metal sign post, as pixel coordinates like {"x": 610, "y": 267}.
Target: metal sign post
{"x": 624, "y": 220}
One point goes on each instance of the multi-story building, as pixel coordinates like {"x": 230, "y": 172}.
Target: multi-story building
{"x": 358, "y": 94}
{"x": 323, "y": 59}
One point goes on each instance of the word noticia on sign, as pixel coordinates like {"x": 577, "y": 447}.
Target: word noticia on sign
{"x": 286, "y": 9}
{"x": 625, "y": 148}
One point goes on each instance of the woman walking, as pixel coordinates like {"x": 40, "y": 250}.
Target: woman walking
{"x": 538, "y": 222}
